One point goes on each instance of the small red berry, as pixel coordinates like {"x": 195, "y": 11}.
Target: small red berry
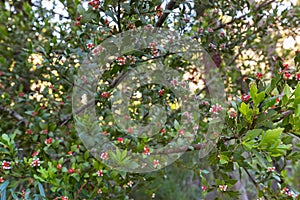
{"x": 259, "y": 75}
{"x": 105, "y": 95}
{"x": 146, "y": 150}
{"x": 120, "y": 140}
{"x": 163, "y": 131}
{"x": 21, "y": 94}
{"x": 245, "y": 97}
{"x": 79, "y": 18}
{"x": 59, "y": 166}
{"x": 104, "y": 132}
{"x": 287, "y": 75}
{"x": 48, "y": 141}
{"x": 34, "y": 114}
{"x": 106, "y": 22}
{"x": 161, "y": 92}
{"x": 71, "y": 171}
{"x": 181, "y": 132}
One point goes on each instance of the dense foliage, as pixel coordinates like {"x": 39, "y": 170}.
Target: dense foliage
{"x": 253, "y": 45}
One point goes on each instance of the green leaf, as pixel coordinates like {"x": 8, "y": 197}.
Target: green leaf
{"x": 269, "y": 138}
{"x": 13, "y": 194}
{"x": 273, "y": 134}
{"x": 4, "y": 185}
{"x": 41, "y": 189}
{"x": 260, "y": 159}
{"x": 259, "y": 98}
{"x": 287, "y": 90}
{"x": 297, "y": 91}
{"x": 3, "y": 195}
{"x": 248, "y": 145}
{"x": 86, "y": 155}
{"x": 297, "y": 111}
{"x": 224, "y": 159}
{"x": 80, "y": 9}
{"x": 176, "y": 125}
{"x": 246, "y": 111}
{"x": 123, "y": 174}
{"x": 38, "y": 178}
{"x": 252, "y": 134}
{"x": 6, "y": 138}
{"x": 253, "y": 90}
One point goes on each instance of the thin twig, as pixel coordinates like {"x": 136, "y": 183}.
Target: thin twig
{"x": 263, "y": 5}
{"x": 80, "y": 189}
{"x": 253, "y": 181}
{"x": 283, "y": 115}
{"x": 14, "y": 114}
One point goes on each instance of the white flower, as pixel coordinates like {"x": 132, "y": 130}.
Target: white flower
{"x": 223, "y": 188}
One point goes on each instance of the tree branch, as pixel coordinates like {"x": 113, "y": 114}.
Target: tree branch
{"x": 119, "y": 17}
{"x": 170, "y": 6}
{"x": 14, "y": 114}
{"x": 283, "y": 115}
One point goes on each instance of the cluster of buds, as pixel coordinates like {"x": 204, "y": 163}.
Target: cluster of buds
{"x": 153, "y": 47}
{"x": 77, "y": 22}
{"x": 215, "y": 109}
{"x": 181, "y": 132}
{"x": 155, "y": 163}
{"x": 35, "y": 162}
{"x": 159, "y": 11}
{"x": 48, "y": 141}
{"x": 131, "y": 26}
{"x": 259, "y": 75}
{"x": 95, "y": 4}
{"x": 104, "y": 156}
{"x": 100, "y": 172}
{"x": 223, "y": 188}
{"x": 97, "y": 50}
{"x": 6, "y": 165}
{"x": 211, "y": 45}
{"x": 288, "y": 192}
{"x": 232, "y": 114}
{"x": 271, "y": 169}
{"x": 105, "y": 95}
{"x": 90, "y": 45}
{"x": 146, "y": 150}
{"x": 121, "y": 60}
{"x": 245, "y": 97}
{"x": 131, "y": 59}
{"x": 287, "y": 74}
{"x": 120, "y": 140}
